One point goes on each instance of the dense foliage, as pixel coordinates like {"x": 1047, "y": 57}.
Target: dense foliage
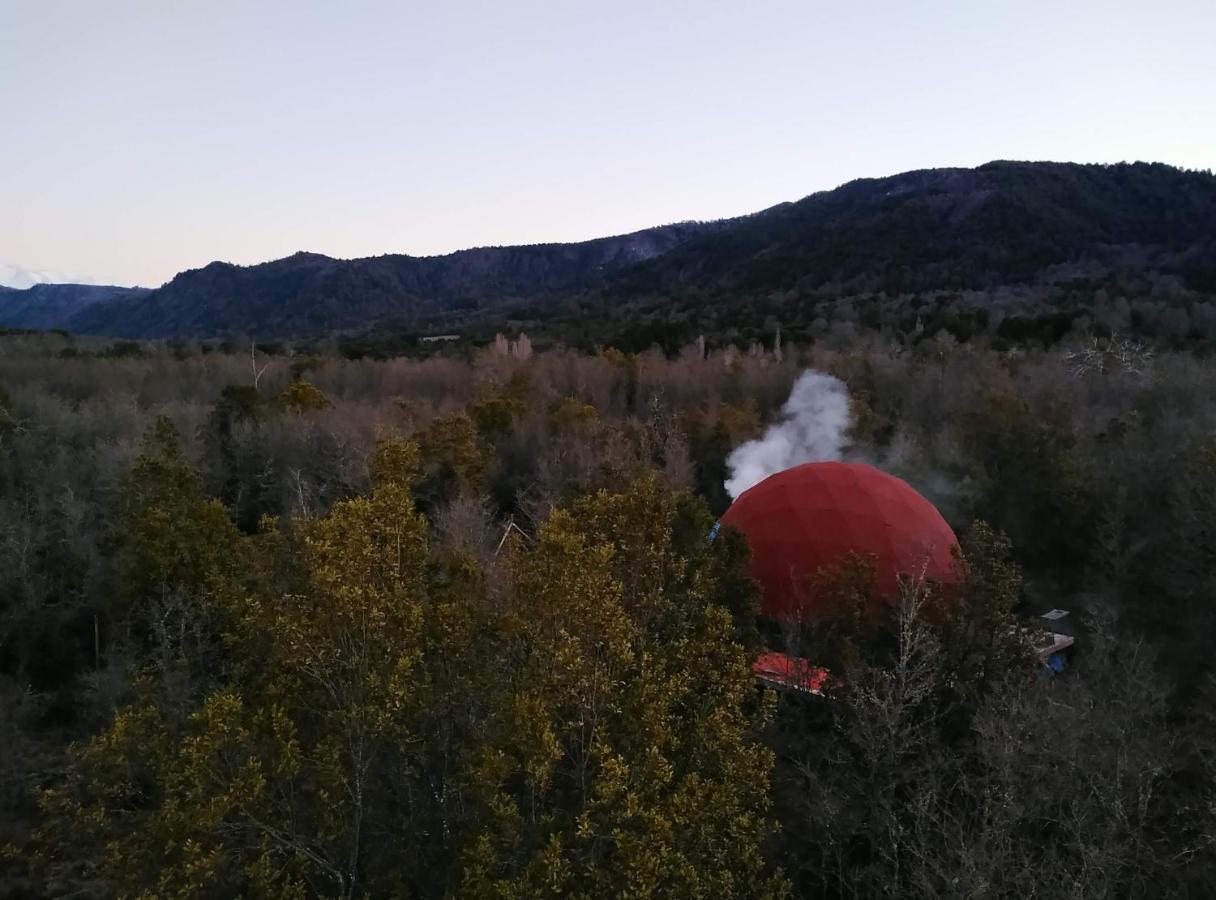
{"x": 294, "y": 624}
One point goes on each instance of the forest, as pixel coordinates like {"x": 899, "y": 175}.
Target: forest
{"x": 283, "y": 621}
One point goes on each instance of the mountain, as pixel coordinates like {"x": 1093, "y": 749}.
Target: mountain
{"x": 308, "y": 294}
{"x": 1003, "y": 223}
{"x": 47, "y": 306}
{"x": 1051, "y": 232}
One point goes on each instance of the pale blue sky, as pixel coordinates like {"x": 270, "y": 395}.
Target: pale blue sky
{"x": 141, "y": 137}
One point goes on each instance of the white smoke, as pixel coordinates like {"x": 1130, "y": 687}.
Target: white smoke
{"x": 812, "y": 428}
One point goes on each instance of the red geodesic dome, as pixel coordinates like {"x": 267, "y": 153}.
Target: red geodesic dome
{"x": 809, "y": 518}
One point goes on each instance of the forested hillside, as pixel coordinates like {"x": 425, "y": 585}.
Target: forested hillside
{"x": 47, "y": 306}
{"x": 311, "y": 294}
{"x": 1038, "y": 246}
{"x": 298, "y": 624}
{"x": 1011, "y": 250}
{"x": 1003, "y": 223}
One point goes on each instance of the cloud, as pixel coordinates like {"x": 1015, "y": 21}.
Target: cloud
{"x": 20, "y": 277}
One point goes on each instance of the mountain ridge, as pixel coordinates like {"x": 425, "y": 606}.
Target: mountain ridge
{"x": 43, "y": 307}
{"x": 312, "y": 293}
{"x": 948, "y": 229}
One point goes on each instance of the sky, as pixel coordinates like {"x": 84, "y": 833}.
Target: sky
{"x": 144, "y": 137}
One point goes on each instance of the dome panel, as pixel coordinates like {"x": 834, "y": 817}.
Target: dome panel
{"x": 809, "y": 518}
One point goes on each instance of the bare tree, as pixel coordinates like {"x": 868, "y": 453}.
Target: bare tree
{"x": 253, "y": 361}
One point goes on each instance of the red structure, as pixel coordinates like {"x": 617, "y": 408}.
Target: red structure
{"x": 809, "y": 518}
{"x": 790, "y": 673}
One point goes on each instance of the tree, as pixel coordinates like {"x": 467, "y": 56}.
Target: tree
{"x": 858, "y": 767}
{"x": 302, "y": 396}
{"x": 454, "y": 458}
{"x": 624, "y": 763}
{"x": 266, "y": 787}
{"x": 8, "y": 418}
{"x": 985, "y": 642}
{"x": 386, "y": 721}
{"x": 494, "y": 412}
{"x": 868, "y": 776}
{"x": 1033, "y": 484}
{"x": 177, "y": 555}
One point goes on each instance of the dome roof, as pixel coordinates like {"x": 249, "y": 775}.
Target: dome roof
{"x": 809, "y": 518}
